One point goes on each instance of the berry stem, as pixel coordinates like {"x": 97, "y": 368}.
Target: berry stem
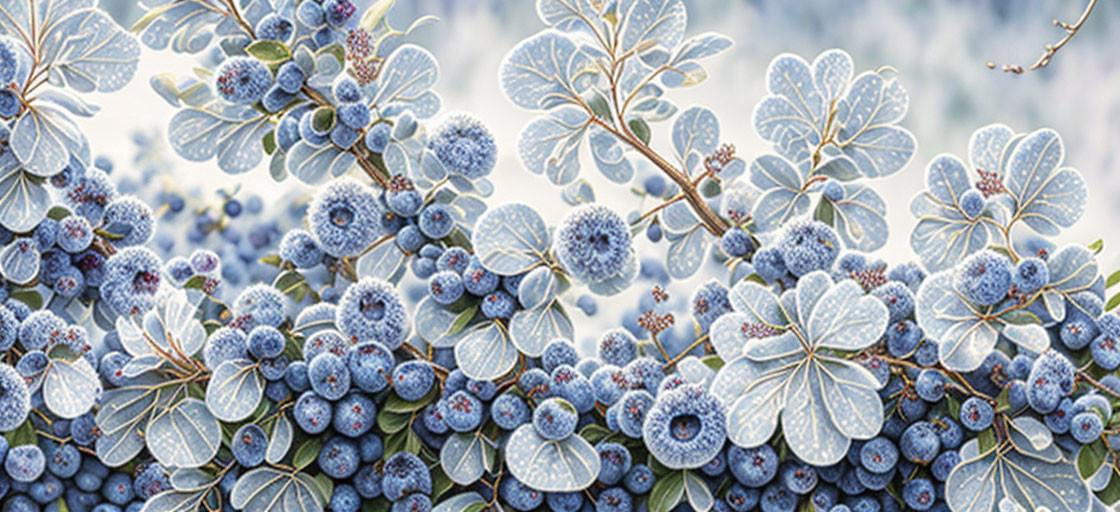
{"x": 699, "y": 341}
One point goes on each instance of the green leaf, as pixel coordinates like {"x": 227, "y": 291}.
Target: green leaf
{"x": 1111, "y": 492}
{"x": 271, "y": 259}
{"x": 325, "y": 484}
{"x": 710, "y": 188}
{"x": 1096, "y": 246}
{"x": 335, "y": 50}
{"x": 1020, "y": 317}
{"x": 1003, "y": 400}
{"x": 269, "y": 142}
{"x": 58, "y": 213}
{"x": 440, "y": 483}
{"x": 1112, "y": 303}
{"x": 987, "y": 440}
{"x": 640, "y": 129}
{"x": 594, "y": 433}
{"x": 598, "y": 103}
{"x": 269, "y": 50}
{"x": 1113, "y": 278}
{"x": 399, "y": 405}
{"x": 29, "y": 297}
{"x": 392, "y": 422}
{"x": 826, "y": 212}
{"x": 195, "y": 283}
{"x": 667, "y": 492}
{"x": 462, "y": 320}
{"x": 307, "y": 452}
{"x": 322, "y": 119}
{"x": 953, "y": 407}
{"x": 713, "y": 361}
{"x": 23, "y": 434}
{"x": 1090, "y": 458}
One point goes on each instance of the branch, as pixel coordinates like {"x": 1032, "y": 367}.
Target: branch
{"x": 1052, "y": 49}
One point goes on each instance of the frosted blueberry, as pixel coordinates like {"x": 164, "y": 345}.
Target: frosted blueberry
{"x": 1031, "y": 274}
{"x": 555, "y": 419}
{"x": 983, "y": 278}
{"x": 275, "y": 27}
{"x": 972, "y": 203}
{"x": 132, "y": 279}
{"x": 685, "y": 428}
{"x": 808, "y": 245}
{"x": 436, "y": 221}
{"x": 593, "y": 243}
{"x": 242, "y": 80}
{"x": 371, "y": 309}
{"x": 15, "y": 399}
{"x": 300, "y": 248}
{"x": 344, "y": 217}
{"x": 464, "y": 146}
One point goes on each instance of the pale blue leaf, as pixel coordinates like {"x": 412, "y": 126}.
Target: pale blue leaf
{"x": 727, "y": 337}
{"x": 777, "y": 119}
{"x": 268, "y": 489}
{"x": 678, "y": 218}
{"x": 758, "y": 303}
{"x": 981, "y": 481}
{"x": 1072, "y": 268}
{"x": 990, "y": 148}
{"x": 647, "y": 22}
{"x": 43, "y": 138}
{"x": 280, "y": 441}
{"x": 19, "y": 261}
{"x": 702, "y": 46}
{"x": 465, "y": 457}
{"x": 845, "y": 318}
{"x": 872, "y": 106}
{"x": 88, "y": 51}
{"x": 569, "y": 15}
{"x": 771, "y": 171}
{"x": 486, "y": 352}
{"x": 789, "y": 77}
{"x": 757, "y": 394}
{"x": 123, "y": 413}
{"x": 964, "y": 338}
{"x": 405, "y": 80}
{"x": 777, "y": 206}
{"x": 538, "y": 287}
{"x": 568, "y": 465}
{"x": 70, "y": 102}
{"x": 316, "y": 165}
{"x": 578, "y": 192}
{"x": 1030, "y": 337}
{"x": 1048, "y": 197}
{"x": 942, "y": 240}
{"x": 542, "y": 72}
{"x": 832, "y": 70}
{"x": 881, "y": 151}
{"x": 861, "y": 218}
{"x": 687, "y": 253}
{"x": 610, "y": 157}
{"x": 140, "y": 365}
{"x": 176, "y": 501}
{"x": 532, "y": 329}
{"x": 433, "y": 322}
{"x": 549, "y": 145}
{"x": 817, "y": 442}
{"x": 385, "y": 261}
{"x": 185, "y": 435}
{"x": 459, "y": 502}
{"x": 851, "y": 395}
{"x": 235, "y": 390}
{"x": 697, "y": 493}
{"x": 70, "y": 388}
{"x": 234, "y": 136}
{"x": 696, "y": 129}
{"x": 947, "y": 180}
{"x": 184, "y": 25}
{"x": 510, "y": 239}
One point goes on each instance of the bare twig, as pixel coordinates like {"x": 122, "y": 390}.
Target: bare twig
{"x": 1052, "y": 49}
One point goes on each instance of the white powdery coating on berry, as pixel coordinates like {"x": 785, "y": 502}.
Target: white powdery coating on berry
{"x": 259, "y": 304}
{"x": 132, "y": 212}
{"x": 15, "y": 400}
{"x": 371, "y": 309}
{"x": 132, "y": 280}
{"x": 465, "y": 146}
{"x": 344, "y": 217}
{"x": 593, "y": 243}
{"x": 687, "y": 402}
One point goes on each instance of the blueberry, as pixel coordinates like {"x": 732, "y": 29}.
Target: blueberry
{"x": 615, "y": 499}
{"x": 354, "y": 415}
{"x": 312, "y": 413}
{"x": 498, "y": 304}
{"x": 405, "y": 473}
{"x": 461, "y": 411}
{"x": 509, "y": 411}
{"x": 413, "y": 379}
{"x": 736, "y": 243}
{"x": 436, "y": 221}
{"x": 1086, "y": 427}
{"x": 614, "y": 462}
{"x": 564, "y": 501}
{"x": 1031, "y": 274}
{"x": 117, "y": 488}
{"x": 919, "y": 494}
{"x": 266, "y": 342}
{"x": 339, "y": 458}
{"x": 248, "y": 445}
{"x": 640, "y": 479}
{"x": 345, "y": 499}
{"x": 445, "y": 287}
{"x": 371, "y": 365}
{"x": 798, "y": 477}
{"x": 519, "y": 496}
{"x": 983, "y": 278}
{"x": 25, "y": 463}
{"x": 633, "y": 407}
{"x": 618, "y": 347}
{"x": 752, "y": 467}
{"x": 555, "y": 419}
{"x": 976, "y": 414}
{"x": 808, "y": 245}
{"x": 878, "y": 455}
{"x": 919, "y": 443}
{"x": 329, "y": 376}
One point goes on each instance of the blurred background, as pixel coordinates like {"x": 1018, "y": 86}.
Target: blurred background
{"x": 939, "y": 48}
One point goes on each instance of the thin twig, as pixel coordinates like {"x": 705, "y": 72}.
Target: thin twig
{"x": 1052, "y": 49}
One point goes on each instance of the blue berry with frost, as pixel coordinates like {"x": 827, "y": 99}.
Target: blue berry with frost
{"x": 984, "y": 278}
{"x": 1086, "y": 427}
{"x": 274, "y": 27}
{"x": 413, "y": 379}
{"x": 752, "y": 467}
{"x": 555, "y": 419}
{"x": 587, "y": 304}
{"x": 242, "y": 80}
{"x": 593, "y": 243}
{"x": 557, "y": 352}
{"x": 477, "y": 280}
{"x": 353, "y": 115}
{"x": 89, "y": 194}
{"x": 412, "y": 503}
{"x": 944, "y": 464}
{"x": 644, "y": 372}
{"x": 879, "y": 455}
{"x": 609, "y": 384}
{"x": 518, "y": 495}
{"x": 344, "y": 136}
{"x": 405, "y": 473}
{"x": 461, "y": 411}
{"x": 919, "y": 494}
{"x": 509, "y": 411}
{"x": 312, "y": 413}
{"x": 685, "y": 428}
{"x": 615, "y": 499}
{"x": 117, "y": 488}
{"x": 445, "y": 287}
{"x": 777, "y": 498}
{"x": 347, "y": 90}
{"x": 339, "y": 458}
{"x": 371, "y": 309}
{"x": 736, "y": 242}
{"x": 931, "y": 385}
{"x": 464, "y": 146}
{"x": 833, "y": 190}
{"x": 266, "y": 342}
{"x": 328, "y": 340}
{"x": 709, "y": 303}
{"x": 406, "y": 202}
{"x": 345, "y": 498}
{"x": 248, "y": 445}
{"x": 972, "y": 203}
{"x": 614, "y": 462}
{"x": 633, "y": 407}
{"x": 132, "y": 279}
{"x": 976, "y": 414}
{"x": 768, "y": 264}
{"x": 74, "y": 234}
{"x": 497, "y": 304}
{"x": 454, "y": 259}
{"x": 377, "y": 137}
{"x": 898, "y": 298}
{"x": 564, "y": 501}
{"x": 806, "y": 246}
{"x": 639, "y": 480}
{"x": 300, "y": 248}
{"x": 1052, "y": 377}
{"x": 259, "y": 304}
{"x": 15, "y": 399}
{"x": 410, "y": 239}
{"x": 1105, "y": 352}
{"x": 178, "y": 271}
{"x": 798, "y": 477}
{"x": 25, "y": 463}
{"x": 371, "y": 365}
{"x": 433, "y": 420}
{"x": 436, "y": 221}
{"x": 919, "y": 443}
{"x": 368, "y": 482}
{"x": 618, "y": 347}
{"x": 370, "y": 447}
{"x": 329, "y": 376}
{"x": 289, "y": 77}
{"x": 344, "y": 217}
{"x": 1031, "y": 274}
